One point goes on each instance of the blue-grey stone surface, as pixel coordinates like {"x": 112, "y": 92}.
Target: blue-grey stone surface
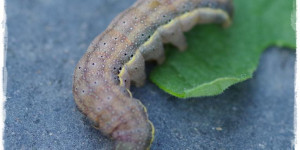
{"x": 46, "y": 38}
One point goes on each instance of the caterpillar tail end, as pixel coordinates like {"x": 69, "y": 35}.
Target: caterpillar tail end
{"x": 138, "y": 143}
{"x": 136, "y": 134}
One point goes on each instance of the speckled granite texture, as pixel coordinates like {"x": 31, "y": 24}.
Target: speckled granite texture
{"x": 46, "y": 38}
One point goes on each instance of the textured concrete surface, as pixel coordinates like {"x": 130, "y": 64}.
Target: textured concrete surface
{"x": 45, "y": 40}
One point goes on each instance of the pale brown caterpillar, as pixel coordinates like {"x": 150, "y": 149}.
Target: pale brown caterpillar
{"x": 117, "y": 56}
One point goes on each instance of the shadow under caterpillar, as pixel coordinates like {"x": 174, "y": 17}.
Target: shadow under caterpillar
{"x": 117, "y": 57}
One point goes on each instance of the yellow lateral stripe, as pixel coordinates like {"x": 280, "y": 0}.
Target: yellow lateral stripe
{"x": 153, "y": 131}
{"x": 120, "y": 76}
{"x": 132, "y": 59}
{"x": 150, "y": 39}
{"x": 129, "y": 93}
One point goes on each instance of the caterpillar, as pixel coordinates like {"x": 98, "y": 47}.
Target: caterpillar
{"x": 117, "y": 56}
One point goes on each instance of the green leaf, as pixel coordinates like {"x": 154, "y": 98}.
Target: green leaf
{"x": 218, "y": 58}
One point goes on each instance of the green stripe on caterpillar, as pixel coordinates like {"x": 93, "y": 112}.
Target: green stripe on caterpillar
{"x": 116, "y": 58}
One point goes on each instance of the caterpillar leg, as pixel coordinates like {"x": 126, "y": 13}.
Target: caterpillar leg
{"x": 172, "y": 33}
{"x": 213, "y": 16}
{"x": 153, "y": 49}
{"x": 136, "y": 69}
{"x": 203, "y": 16}
{"x": 188, "y": 21}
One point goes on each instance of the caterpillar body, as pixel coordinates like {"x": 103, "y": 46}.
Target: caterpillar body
{"x": 117, "y": 57}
